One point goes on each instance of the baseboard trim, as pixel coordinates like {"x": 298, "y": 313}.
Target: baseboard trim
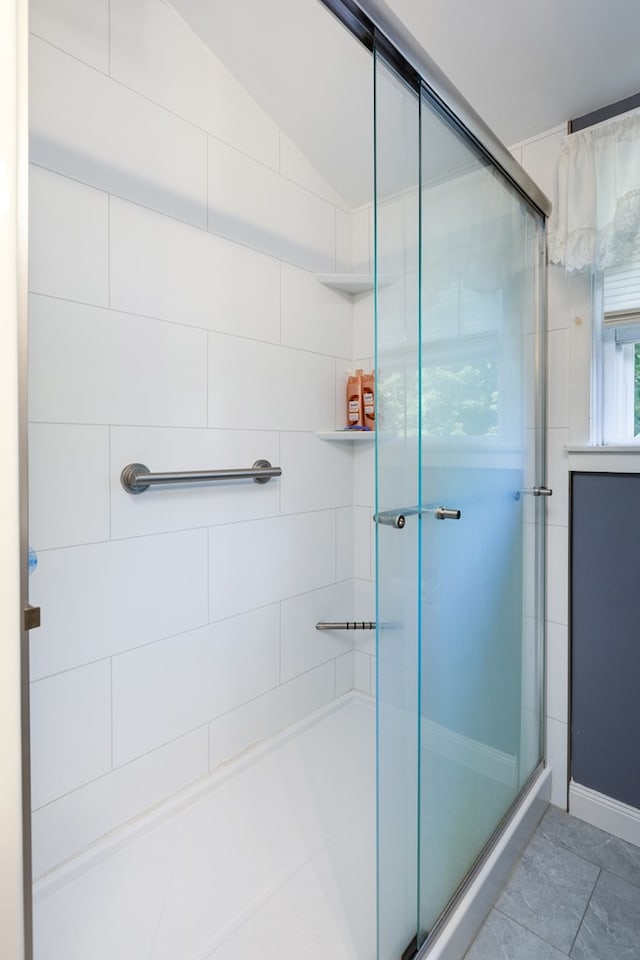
{"x": 604, "y": 812}
{"x": 466, "y": 918}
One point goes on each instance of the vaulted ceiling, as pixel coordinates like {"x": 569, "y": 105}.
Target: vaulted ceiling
{"x": 524, "y": 65}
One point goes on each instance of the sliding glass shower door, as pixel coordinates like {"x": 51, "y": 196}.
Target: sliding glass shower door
{"x": 459, "y": 525}
{"x": 397, "y": 485}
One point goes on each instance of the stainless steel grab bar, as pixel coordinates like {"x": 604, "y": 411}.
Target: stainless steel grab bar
{"x": 136, "y": 477}
{"x": 347, "y": 625}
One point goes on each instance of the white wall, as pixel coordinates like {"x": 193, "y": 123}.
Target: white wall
{"x": 176, "y": 321}
{"x": 13, "y": 66}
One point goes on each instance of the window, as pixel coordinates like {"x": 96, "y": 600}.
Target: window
{"x": 619, "y": 295}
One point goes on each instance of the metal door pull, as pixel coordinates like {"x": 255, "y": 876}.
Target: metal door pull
{"x": 397, "y": 519}
{"x": 539, "y": 491}
{"x": 389, "y": 518}
{"x": 445, "y": 513}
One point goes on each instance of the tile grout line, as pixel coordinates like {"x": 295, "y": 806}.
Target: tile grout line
{"x": 260, "y": 518}
{"x": 280, "y": 645}
{"x": 207, "y": 183}
{"x": 109, "y": 467}
{"x": 207, "y": 231}
{"x": 207, "y": 372}
{"x": 112, "y": 714}
{"x": 183, "y": 633}
{"x": 585, "y": 912}
{"x": 209, "y": 620}
{"x": 122, "y": 766}
{"x": 193, "y": 125}
{"x": 528, "y": 929}
{"x": 571, "y": 849}
{"x": 109, "y": 251}
{"x": 182, "y": 325}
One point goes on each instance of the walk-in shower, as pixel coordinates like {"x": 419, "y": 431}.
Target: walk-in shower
{"x": 234, "y": 205}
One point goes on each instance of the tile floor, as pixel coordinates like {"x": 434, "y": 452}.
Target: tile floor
{"x": 574, "y": 893}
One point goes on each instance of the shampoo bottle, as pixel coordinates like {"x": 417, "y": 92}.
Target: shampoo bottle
{"x": 355, "y": 412}
{"x": 368, "y": 400}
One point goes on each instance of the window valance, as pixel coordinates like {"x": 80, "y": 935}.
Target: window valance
{"x": 596, "y": 219}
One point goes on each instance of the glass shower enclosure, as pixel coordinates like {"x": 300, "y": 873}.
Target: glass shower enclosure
{"x": 459, "y": 513}
{"x": 232, "y": 204}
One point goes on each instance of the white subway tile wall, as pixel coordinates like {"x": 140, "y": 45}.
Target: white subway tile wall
{"x": 156, "y": 54}
{"x": 71, "y": 730}
{"x": 557, "y": 670}
{"x": 165, "y": 689}
{"x": 302, "y": 646}
{"x": 91, "y": 128}
{"x": 68, "y": 239}
{"x": 252, "y": 722}
{"x": 175, "y": 321}
{"x": 103, "y": 598}
{"x": 58, "y": 451}
{"x": 558, "y": 379}
{"x": 169, "y": 270}
{"x": 81, "y": 27}
{"x": 255, "y": 205}
{"x": 93, "y": 365}
{"x": 315, "y": 317}
{"x": 73, "y": 822}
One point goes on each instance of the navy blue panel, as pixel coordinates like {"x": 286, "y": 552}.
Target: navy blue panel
{"x": 605, "y": 630}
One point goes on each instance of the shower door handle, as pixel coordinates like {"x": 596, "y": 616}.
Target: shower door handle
{"x": 391, "y": 518}
{"x": 398, "y": 518}
{"x": 445, "y": 513}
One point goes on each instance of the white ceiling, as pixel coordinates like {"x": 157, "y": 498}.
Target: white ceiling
{"x": 524, "y": 65}
{"x": 528, "y": 65}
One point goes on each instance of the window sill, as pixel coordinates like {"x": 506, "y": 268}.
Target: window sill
{"x": 604, "y": 448}
{"x": 612, "y": 458}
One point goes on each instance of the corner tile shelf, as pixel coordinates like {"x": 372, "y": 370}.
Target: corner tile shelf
{"x": 352, "y": 283}
{"x": 357, "y": 436}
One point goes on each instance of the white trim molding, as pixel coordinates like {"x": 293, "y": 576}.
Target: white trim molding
{"x": 607, "y": 459}
{"x": 13, "y": 169}
{"x": 604, "y": 812}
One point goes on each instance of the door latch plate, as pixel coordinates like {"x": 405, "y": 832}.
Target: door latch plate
{"x": 31, "y": 617}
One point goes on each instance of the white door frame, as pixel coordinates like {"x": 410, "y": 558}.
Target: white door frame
{"x": 14, "y": 863}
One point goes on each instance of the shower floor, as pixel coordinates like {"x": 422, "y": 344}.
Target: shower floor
{"x": 278, "y": 853}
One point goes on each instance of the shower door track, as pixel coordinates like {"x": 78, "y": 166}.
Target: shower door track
{"x": 374, "y": 24}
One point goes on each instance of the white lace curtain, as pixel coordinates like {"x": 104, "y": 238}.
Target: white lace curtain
{"x": 596, "y": 220}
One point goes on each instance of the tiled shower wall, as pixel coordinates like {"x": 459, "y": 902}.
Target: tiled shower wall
{"x": 175, "y": 321}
